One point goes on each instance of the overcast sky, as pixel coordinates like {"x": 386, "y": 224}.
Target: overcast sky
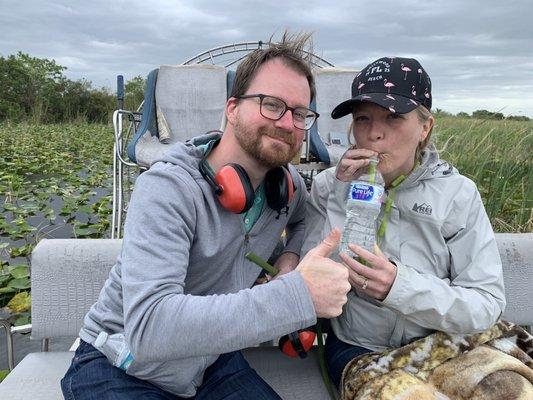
{"x": 479, "y": 53}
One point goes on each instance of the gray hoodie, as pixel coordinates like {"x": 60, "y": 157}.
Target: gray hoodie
{"x": 180, "y": 290}
{"x": 438, "y": 234}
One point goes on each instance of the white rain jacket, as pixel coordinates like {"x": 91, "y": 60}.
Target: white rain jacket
{"x": 439, "y": 236}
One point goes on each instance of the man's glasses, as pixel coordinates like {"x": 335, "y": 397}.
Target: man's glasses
{"x": 273, "y": 108}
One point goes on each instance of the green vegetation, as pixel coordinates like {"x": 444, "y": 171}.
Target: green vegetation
{"x": 496, "y": 155}
{"x": 54, "y": 179}
{"x": 35, "y": 90}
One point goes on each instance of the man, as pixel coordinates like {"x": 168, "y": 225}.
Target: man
{"x": 178, "y": 306}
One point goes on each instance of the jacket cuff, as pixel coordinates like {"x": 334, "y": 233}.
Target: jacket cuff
{"x": 302, "y": 297}
{"x": 400, "y": 287}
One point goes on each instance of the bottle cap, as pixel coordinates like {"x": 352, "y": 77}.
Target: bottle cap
{"x": 100, "y": 339}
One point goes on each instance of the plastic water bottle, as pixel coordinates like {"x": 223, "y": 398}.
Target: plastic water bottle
{"x": 115, "y": 348}
{"x": 362, "y": 209}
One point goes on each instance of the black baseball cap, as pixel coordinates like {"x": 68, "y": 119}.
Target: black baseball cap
{"x": 398, "y": 84}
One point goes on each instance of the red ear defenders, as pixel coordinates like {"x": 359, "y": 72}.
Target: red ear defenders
{"x": 235, "y": 191}
{"x": 297, "y": 344}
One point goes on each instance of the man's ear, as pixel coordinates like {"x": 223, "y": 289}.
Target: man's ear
{"x": 231, "y": 110}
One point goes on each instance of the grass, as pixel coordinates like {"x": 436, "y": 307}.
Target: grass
{"x": 497, "y": 156}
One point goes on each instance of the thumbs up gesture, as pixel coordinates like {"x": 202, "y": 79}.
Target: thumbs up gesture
{"x": 326, "y": 279}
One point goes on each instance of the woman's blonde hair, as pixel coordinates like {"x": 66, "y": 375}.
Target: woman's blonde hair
{"x": 423, "y": 115}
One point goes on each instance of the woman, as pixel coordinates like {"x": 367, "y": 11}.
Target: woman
{"x": 437, "y": 266}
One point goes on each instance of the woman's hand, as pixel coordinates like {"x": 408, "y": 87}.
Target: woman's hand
{"x": 352, "y": 161}
{"x": 375, "y": 280}
{"x": 286, "y": 262}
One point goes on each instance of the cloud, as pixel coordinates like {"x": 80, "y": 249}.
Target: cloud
{"x": 479, "y": 53}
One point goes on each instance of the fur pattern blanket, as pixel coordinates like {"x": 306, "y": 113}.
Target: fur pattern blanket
{"x": 494, "y": 364}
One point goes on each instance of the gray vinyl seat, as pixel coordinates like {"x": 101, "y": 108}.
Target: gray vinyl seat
{"x": 184, "y": 101}
{"x": 37, "y": 376}
{"x": 333, "y": 85}
{"x": 67, "y": 275}
{"x": 181, "y": 102}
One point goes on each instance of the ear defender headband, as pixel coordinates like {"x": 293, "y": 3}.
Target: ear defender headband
{"x": 234, "y": 189}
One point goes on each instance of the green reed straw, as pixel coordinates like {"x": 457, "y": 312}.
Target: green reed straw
{"x": 372, "y": 169}
{"x": 273, "y": 271}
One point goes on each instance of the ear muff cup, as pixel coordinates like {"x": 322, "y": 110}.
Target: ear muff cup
{"x": 297, "y": 344}
{"x": 279, "y": 188}
{"x": 237, "y": 193}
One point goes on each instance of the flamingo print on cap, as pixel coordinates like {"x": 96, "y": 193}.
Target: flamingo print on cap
{"x": 420, "y": 75}
{"x": 388, "y": 85}
{"x": 360, "y": 87}
{"x": 413, "y": 91}
{"x": 405, "y": 69}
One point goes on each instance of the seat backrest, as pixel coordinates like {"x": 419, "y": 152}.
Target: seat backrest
{"x": 68, "y": 274}
{"x": 516, "y": 252}
{"x": 192, "y": 98}
{"x": 333, "y": 85}
{"x": 181, "y": 102}
{"x": 66, "y": 278}
{"x": 184, "y": 101}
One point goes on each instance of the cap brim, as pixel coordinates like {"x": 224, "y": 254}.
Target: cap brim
{"x": 392, "y": 102}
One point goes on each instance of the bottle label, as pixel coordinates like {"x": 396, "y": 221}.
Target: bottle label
{"x": 126, "y": 363}
{"x": 366, "y": 192}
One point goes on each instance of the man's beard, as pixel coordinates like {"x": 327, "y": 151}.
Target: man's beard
{"x": 273, "y": 156}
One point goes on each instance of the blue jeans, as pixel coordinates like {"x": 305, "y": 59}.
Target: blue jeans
{"x": 338, "y": 355}
{"x": 91, "y": 376}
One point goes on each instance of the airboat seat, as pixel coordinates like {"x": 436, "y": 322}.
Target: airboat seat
{"x": 68, "y": 274}
{"x": 184, "y": 101}
{"x": 181, "y": 101}
{"x": 333, "y": 85}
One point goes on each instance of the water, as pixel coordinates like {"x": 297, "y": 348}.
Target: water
{"x": 363, "y": 205}
{"x": 359, "y": 227}
{"x": 46, "y": 227}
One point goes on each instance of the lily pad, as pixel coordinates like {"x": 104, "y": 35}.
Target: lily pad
{"x": 21, "y": 302}
{"x": 19, "y": 271}
{"x": 20, "y": 283}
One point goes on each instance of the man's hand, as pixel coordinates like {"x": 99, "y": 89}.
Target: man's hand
{"x": 326, "y": 279}
{"x": 376, "y": 280}
{"x": 349, "y": 167}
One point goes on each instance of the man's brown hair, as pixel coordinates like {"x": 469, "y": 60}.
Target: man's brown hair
{"x": 291, "y": 50}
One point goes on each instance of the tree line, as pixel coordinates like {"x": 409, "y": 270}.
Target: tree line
{"x": 480, "y": 114}
{"x": 36, "y": 90}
